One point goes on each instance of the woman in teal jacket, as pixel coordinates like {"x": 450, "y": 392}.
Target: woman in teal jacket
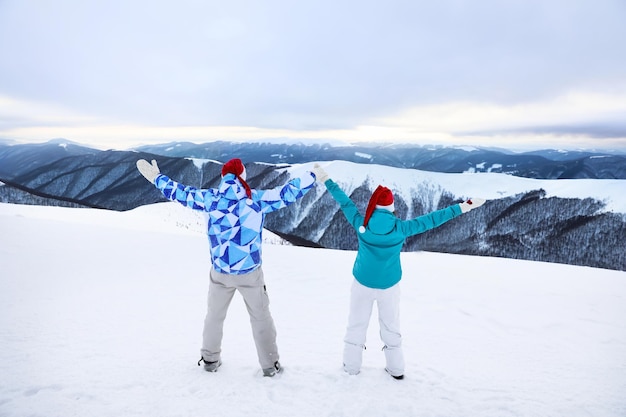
{"x": 377, "y": 270}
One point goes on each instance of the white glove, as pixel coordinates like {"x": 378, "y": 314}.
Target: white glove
{"x": 320, "y": 174}
{"x": 149, "y": 171}
{"x": 471, "y": 204}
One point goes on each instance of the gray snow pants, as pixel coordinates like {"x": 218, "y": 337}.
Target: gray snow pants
{"x": 251, "y": 286}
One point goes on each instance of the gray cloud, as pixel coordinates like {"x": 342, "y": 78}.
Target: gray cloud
{"x": 303, "y": 65}
{"x": 606, "y": 130}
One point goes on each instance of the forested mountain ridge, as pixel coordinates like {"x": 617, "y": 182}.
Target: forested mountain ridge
{"x": 580, "y": 222}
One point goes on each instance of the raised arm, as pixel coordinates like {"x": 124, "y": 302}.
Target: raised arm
{"x": 192, "y": 197}
{"x": 348, "y": 208}
{"x": 435, "y": 219}
{"x": 284, "y": 195}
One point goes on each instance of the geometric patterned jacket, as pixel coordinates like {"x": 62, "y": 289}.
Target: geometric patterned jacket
{"x": 235, "y": 222}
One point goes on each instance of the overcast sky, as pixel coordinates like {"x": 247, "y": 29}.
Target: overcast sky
{"x": 511, "y": 73}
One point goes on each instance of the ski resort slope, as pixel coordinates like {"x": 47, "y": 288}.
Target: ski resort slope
{"x": 101, "y": 314}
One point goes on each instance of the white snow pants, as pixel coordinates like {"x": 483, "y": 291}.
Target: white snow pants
{"x": 222, "y": 287}
{"x": 361, "y": 303}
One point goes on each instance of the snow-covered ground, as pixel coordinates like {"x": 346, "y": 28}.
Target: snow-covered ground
{"x": 101, "y": 315}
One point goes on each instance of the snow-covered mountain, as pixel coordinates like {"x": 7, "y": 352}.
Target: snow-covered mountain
{"x": 541, "y": 164}
{"x": 579, "y": 222}
{"x": 101, "y": 315}
{"x": 546, "y": 164}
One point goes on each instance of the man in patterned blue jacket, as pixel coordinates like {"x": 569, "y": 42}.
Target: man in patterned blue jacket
{"x": 235, "y": 226}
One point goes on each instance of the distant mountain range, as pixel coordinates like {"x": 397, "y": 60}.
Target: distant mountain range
{"x": 581, "y": 221}
{"x": 544, "y": 164}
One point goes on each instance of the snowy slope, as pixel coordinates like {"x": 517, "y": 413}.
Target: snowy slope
{"x": 101, "y": 315}
{"x": 487, "y": 185}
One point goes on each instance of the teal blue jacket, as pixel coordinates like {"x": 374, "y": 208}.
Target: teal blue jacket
{"x": 377, "y": 263}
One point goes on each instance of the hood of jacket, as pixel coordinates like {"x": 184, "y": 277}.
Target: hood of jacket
{"x": 382, "y": 222}
{"x": 231, "y": 188}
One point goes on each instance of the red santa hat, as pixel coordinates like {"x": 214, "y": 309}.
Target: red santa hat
{"x": 235, "y": 167}
{"x": 382, "y": 198}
